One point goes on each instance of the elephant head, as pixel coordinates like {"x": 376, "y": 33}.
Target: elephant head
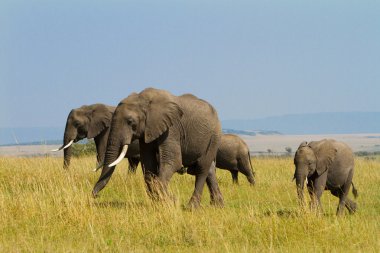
{"x": 315, "y": 157}
{"x": 144, "y": 116}
{"x": 87, "y": 121}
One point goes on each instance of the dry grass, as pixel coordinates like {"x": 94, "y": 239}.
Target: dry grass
{"x": 46, "y": 209}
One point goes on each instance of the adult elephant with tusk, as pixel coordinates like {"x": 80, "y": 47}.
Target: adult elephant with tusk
{"x": 93, "y": 121}
{"x": 172, "y": 131}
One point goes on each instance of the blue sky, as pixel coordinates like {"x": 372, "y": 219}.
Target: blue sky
{"x": 250, "y": 59}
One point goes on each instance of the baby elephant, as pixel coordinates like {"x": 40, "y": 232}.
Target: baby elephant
{"x": 233, "y": 155}
{"x": 326, "y": 165}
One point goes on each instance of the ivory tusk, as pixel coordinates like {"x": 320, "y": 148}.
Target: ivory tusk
{"x": 63, "y": 147}
{"x": 121, "y": 156}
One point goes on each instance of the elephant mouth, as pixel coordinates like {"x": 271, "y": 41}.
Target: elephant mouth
{"x": 79, "y": 137}
{"x": 121, "y": 156}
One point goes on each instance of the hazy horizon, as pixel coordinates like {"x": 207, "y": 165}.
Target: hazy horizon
{"x": 293, "y": 124}
{"x": 249, "y": 59}
{"x": 232, "y": 119}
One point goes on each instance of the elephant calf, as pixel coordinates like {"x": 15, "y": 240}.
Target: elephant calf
{"x": 93, "y": 121}
{"x": 233, "y": 155}
{"x": 327, "y": 165}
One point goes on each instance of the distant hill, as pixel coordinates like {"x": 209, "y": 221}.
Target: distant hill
{"x": 250, "y": 133}
{"x": 316, "y": 123}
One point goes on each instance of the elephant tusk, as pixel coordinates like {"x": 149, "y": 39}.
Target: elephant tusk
{"x": 98, "y": 167}
{"x": 63, "y": 147}
{"x": 121, "y": 156}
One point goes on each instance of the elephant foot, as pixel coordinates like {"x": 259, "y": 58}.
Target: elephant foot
{"x": 216, "y": 198}
{"x": 316, "y": 209}
{"x": 340, "y": 209}
{"x": 352, "y": 207}
{"x": 95, "y": 194}
{"x": 251, "y": 181}
{"x": 154, "y": 196}
{"x": 217, "y": 202}
{"x": 193, "y": 204}
{"x": 162, "y": 196}
{"x": 169, "y": 199}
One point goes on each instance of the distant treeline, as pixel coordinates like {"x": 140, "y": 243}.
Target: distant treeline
{"x": 367, "y": 153}
{"x": 83, "y": 149}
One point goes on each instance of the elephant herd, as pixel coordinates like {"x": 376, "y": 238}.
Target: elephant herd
{"x": 182, "y": 134}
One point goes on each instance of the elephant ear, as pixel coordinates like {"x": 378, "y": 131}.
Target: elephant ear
{"x": 325, "y": 153}
{"x": 161, "y": 114}
{"x": 100, "y": 117}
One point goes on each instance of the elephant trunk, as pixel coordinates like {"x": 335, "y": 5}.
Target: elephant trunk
{"x": 300, "y": 182}
{"x": 112, "y": 153}
{"x": 67, "y": 150}
{"x": 66, "y": 157}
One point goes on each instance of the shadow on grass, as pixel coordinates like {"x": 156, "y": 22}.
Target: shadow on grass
{"x": 284, "y": 213}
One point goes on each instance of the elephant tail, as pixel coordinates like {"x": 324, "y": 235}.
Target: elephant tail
{"x": 354, "y": 190}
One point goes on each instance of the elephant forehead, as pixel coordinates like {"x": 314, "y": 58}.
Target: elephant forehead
{"x": 127, "y": 110}
{"x": 304, "y": 153}
{"x": 76, "y": 115}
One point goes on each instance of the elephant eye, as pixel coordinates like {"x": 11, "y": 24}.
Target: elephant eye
{"x": 130, "y": 121}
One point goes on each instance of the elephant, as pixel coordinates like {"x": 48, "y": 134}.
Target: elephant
{"x": 93, "y": 121}
{"x": 326, "y": 165}
{"x": 173, "y": 131}
{"x": 233, "y": 155}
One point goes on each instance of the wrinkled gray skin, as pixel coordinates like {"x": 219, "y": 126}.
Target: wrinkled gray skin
{"x": 327, "y": 165}
{"x": 173, "y": 131}
{"x": 93, "y": 121}
{"x": 233, "y": 155}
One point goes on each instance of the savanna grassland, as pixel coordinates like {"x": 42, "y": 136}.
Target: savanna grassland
{"x": 44, "y": 208}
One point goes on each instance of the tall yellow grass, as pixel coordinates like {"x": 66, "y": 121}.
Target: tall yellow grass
{"x": 44, "y": 208}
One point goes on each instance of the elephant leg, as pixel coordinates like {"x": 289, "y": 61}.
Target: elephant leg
{"x": 133, "y": 163}
{"x": 166, "y": 172}
{"x": 195, "y": 200}
{"x": 200, "y": 179}
{"x": 318, "y": 187}
{"x": 150, "y": 167}
{"x": 234, "y": 174}
{"x": 169, "y": 155}
{"x": 212, "y": 184}
{"x": 349, "y": 204}
{"x": 343, "y": 195}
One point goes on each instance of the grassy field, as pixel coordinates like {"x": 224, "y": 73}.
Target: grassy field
{"x": 46, "y": 209}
